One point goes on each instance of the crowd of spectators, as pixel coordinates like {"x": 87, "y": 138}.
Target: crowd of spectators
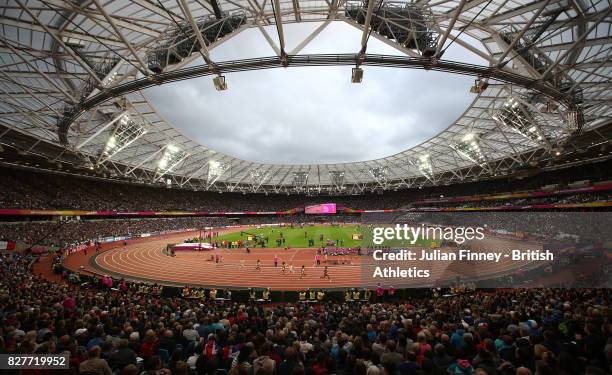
{"x": 72, "y": 232}
{"x": 28, "y": 190}
{"x": 590, "y": 227}
{"x": 500, "y": 332}
{"x": 66, "y": 233}
{"x": 596, "y": 197}
{"x": 505, "y": 332}
{"x": 577, "y": 227}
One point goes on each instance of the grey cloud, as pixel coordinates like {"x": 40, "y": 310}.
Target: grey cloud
{"x": 314, "y": 115}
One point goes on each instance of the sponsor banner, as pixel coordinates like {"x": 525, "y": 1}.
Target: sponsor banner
{"x": 13, "y": 212}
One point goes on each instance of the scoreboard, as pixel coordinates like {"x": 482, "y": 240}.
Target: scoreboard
{"x": 325, "y": 208}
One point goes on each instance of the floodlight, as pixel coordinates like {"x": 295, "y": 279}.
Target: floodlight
{"x": 125, "y": 133}
{"x": 112, "y": 142}
{"x": 380, "y": 174}
{"x": 469, "y": 147}
{"x": 479, "y": 86}
{"x": 300, "y": 179}
{"x": 219, "y": 82}
{"x": 171, "y": 158}
{"x": 337, "y": 179}
{"x": 215, "y": 170}
{"x": 357, "y": 75}
{"x": 423, "y": 164}
{"x": 574, "y": 120}
{"x": 520, "y": 118}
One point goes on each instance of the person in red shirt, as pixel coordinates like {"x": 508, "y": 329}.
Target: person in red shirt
{"x": 424, "y": 347}
{"x": 149, "y": 345}
{"x": 380, "y": 291}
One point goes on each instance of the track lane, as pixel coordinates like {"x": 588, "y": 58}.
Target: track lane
{"x": 144, "y": 260}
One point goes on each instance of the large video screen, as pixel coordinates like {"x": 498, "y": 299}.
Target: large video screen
{"x": 325, "y": 208}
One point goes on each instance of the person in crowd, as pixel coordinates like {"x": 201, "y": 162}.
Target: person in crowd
{"x": 94, "y": 365}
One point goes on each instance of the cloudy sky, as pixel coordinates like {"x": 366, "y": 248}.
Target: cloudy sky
{"x": 315, "y": 115}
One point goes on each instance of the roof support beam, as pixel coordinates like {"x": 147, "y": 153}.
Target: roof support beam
{"x": 67, "y": 5}
{"x": 268, "y": 38}
{"x": 100, "y": 130}
{"x": 30, "y": 93}
{"x": 310, "y": 37}
{"x": 515, "y": 12}
{"x": 59, "y": 40}
{"x": 576, "y": 43}
{"x": 167, "y": 13}
{"x": 521, "y": 33}
{"x": 366, "y": 27}
{"x": 70, "y": 34}
{"x": 296, "y": 10}
{"x": 144, "y": 70}
{"x": 148, "y": 158}
{"x": 587, "y": 43}
{"x": 278, "y": 20}
{"x": 467, "y": 46}
{"x": 203, "y": 50}
{"x": 42, "y": 74}
{"x": 216, "y": 9}
{"x": 451, "y": 24}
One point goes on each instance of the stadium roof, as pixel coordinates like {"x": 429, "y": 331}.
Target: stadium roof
{"x": 72, "y": 74}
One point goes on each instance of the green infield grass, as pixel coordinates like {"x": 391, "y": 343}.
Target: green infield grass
{"x": 297, "y": 237}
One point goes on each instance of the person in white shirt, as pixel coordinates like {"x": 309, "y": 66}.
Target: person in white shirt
{"x": 190, "y": 333}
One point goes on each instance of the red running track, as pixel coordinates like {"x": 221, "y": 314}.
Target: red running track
{"x": 145, "y": 260}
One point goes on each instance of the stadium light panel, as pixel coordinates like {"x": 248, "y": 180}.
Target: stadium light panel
{"x": 337, "y": 179}
{"x": 215, "y": 170}
{"x": 469, "y": 148}
{"x": 258, "y": 177}
{"x": 300, "y": 179}
{"x": 126, "y": 131}
{"x": 423, "y": 164}
{"x": 112, "y": 141}
{"x": 517, "y": 116}
{"x": 171, "y": 158}
{"x": 380, "y": 174}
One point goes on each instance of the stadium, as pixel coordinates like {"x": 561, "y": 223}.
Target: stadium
{"x": 300, "y": 187}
